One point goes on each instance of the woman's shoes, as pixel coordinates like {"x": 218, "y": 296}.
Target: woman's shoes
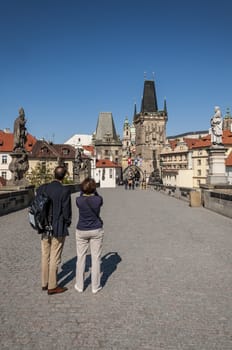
{"x": 78, "y": 289}
{"x": 96, "y": 290}
{"x": 93, "y": 290}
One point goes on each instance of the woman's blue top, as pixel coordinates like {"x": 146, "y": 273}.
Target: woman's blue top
{"x": 89, "y": 211}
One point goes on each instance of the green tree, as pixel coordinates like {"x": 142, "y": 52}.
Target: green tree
{"x": 39, "y": 175}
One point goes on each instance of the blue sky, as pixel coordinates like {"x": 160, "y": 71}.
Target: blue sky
{"x": 66, "y": 61}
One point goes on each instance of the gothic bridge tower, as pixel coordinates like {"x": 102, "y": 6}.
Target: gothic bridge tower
{"x": 150, "y": 127}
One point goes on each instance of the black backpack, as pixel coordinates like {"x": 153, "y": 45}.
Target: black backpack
{"x": 40, "y": 213}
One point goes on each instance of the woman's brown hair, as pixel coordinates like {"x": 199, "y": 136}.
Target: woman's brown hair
{"x": 88, "y": 186}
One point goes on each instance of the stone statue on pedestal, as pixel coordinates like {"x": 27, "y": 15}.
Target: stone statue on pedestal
{"x": 82, "y": 167}
{"x": 217, "y": 170}
{"x": 77, "y": 166}
{"x": 20, "y": 131}
{"x": 216, "y": 127}
{"x": 19, "y": 164}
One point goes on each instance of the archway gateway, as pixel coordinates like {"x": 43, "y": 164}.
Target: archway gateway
{"x": 133, "y": 171}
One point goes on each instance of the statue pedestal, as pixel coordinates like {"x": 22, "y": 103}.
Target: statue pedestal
{"x": 18, "y": 166}
{"x": 217, "y": 169}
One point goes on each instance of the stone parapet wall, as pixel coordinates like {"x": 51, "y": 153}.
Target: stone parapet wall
{"x": 217, "y": 201}
{"x": 16, "y": 198}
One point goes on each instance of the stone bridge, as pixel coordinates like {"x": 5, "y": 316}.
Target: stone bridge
{"x": 166, "y": 275}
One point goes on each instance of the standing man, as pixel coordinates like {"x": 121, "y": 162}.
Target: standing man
{"x": 52, "y": 243}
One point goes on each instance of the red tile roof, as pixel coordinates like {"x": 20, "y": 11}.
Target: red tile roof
{"x": 106, "y": 163}
{"x": 7, "y": 142}
{"x": 227, "y": 137}
{"x": 203, "y": 142}
{"x": 89, "y": 149}
{"x": 173, "y": 144}
{"x": 206, "y": 141}
{"x": 190, "y": 142}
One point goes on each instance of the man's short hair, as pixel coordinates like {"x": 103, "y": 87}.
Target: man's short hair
{"x": 60, "y": 172}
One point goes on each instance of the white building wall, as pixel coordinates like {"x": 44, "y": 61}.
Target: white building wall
{"x": 4, "y": 166}
{"x": 169, "y": 180}
{"x": 190, "y": 160}
{"x": 184, "y": 178}
{"x": 79, "y": 140}
{"x": 105, "y": 176}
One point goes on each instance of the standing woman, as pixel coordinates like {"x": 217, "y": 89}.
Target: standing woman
{"x": 89, "y": 233}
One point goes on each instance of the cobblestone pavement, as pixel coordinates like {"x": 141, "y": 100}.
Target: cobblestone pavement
{"x": 167, "y": 281}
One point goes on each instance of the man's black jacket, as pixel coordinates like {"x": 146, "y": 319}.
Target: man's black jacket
{"x": 61, "y": 206}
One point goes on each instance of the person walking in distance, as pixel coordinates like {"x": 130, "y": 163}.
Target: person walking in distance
{"x": 52, "y": 243}
{"x": 89, "y": 233}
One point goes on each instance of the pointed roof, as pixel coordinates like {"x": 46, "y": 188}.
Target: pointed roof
{"x": 126, "y": 122}
{"x": 44, "y": 149}
{"x": 135, "y": 110}
{"x": 165, "y": 106}
{"x": 105, "y": 127}
{"x": 149, "y": 100}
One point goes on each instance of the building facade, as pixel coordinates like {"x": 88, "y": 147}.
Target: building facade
{"x": 176, "y": 163}
{"x": 106, "y": 173}
{"x": 46, "y": 156}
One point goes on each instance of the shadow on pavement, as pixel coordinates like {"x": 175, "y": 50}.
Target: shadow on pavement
{"x": 109, "y": 264}
{"x": 68, "y": 272}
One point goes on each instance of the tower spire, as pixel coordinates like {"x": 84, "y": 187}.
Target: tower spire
{"x": 165, "y": 106}
{"x": 135, "y": 110}
{"x": 149, "y": 100}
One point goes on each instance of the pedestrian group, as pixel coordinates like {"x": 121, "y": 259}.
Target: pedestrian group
{"x": 89, "y": 233}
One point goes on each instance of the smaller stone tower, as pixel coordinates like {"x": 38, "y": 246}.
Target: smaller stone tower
{"x": 126, "y": 139}
{"x": 106, "y": 141}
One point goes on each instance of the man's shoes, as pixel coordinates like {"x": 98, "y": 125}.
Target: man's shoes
{"x": 45, "y": 287}
{"x": 57, "y": 290}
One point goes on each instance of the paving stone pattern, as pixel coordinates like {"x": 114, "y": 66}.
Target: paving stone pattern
{"x": 167, "y": 281}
